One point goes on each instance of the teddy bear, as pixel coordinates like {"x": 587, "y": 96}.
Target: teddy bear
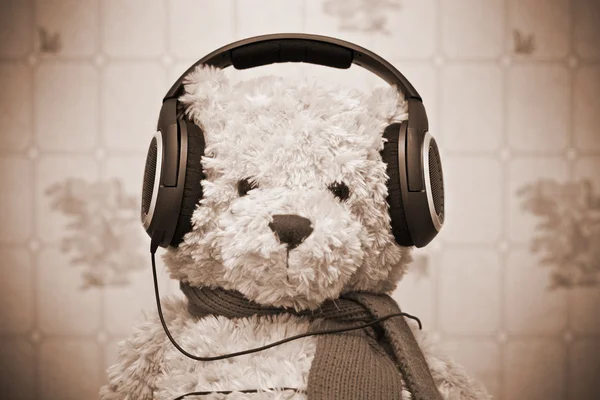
{"x": 293, "y": 217}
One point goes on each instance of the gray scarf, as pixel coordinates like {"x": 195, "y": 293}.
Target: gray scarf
{"x": 370, "y": 363}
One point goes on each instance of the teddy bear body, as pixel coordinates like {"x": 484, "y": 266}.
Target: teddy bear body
{"x": 154, "y": 369}
{"x": 163, "y": 373}
{"x": 276, "y": 148}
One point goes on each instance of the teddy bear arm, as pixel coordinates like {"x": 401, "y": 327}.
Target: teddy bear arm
{"x": 452, "y": 380}
{"x": 139, "y": 362}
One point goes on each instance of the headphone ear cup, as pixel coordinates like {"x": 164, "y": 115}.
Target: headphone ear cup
{"x": 151, "y": 180}
{"x": 435, "y": 183}
{"x": 192, "y": 189}
{"x": 392, "y": 155}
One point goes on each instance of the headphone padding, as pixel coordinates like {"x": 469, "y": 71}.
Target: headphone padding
{"x": 389, "y": 154}
{"x": 192, "y": 189}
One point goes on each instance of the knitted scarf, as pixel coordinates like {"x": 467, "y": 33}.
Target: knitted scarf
{"x": 370, "y": 363}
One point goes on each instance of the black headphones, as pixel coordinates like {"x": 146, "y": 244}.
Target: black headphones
{"x": 172, "y": 176}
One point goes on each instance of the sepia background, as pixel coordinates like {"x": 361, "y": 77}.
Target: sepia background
{"x": 510, "y": 288}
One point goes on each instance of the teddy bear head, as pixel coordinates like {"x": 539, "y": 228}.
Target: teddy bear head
{"x": 294, "y": 208}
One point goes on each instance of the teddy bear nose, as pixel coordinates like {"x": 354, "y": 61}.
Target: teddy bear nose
{"x": 291, "y": 229}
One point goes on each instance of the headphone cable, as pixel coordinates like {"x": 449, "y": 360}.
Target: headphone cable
{"x": 268, "y": 346}
{"x": 257, "y": 349}
{"x": 229, "y": 392}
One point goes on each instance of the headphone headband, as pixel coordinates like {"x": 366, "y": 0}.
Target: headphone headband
{"x": 171, "y": 188}
{"x": 299, "y": 47}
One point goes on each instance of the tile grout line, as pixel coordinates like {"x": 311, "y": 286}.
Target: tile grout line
{"x": 234, "y": 8}
{"x": 303, "y": 27}
{"x": 35, "y": 251}
{"x": 502, "y": 338}
{"x": 169, "y": 53}
{"x": 101, "y": 76}
{"x": 570, "y": 176}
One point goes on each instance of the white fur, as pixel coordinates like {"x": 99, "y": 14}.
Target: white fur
{"x": 293, "y": 139}
{"x": 151, "y": 368}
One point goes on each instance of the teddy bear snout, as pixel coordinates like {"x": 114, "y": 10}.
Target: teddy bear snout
{"x": 291, "y": 229}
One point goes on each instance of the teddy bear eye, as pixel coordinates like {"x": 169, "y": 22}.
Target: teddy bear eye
{"x": 244, "y": 186}
{"x": 340, "y": 190}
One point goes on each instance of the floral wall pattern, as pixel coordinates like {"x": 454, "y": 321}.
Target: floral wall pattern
{"x": 509, "y": 288}
{"x": 361, "y": 15}
{"x": 568, "y": 231}
{"x": 103, "y": 234}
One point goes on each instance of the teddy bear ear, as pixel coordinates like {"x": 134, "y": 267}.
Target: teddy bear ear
{"x": 388, "y": 104}
{"x": 202, "y": 87}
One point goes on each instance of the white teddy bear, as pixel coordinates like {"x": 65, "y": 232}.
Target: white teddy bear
{"x": 293, "y": 217}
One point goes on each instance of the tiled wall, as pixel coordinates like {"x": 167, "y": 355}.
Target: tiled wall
{"x": 512, "y": 88}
